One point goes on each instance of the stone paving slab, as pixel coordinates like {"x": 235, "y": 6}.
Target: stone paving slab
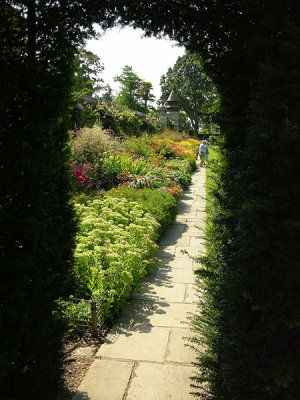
{"x": 175, "y": 263}
{"x": 191, "y": 294}
{"x": 178, "y": 350}
{"x": 127, "y": 342}
{"x": 161, "y": 291}
{"x": 192, "y": 251}
{"x": 105, "y": 380}
{"x": 143, "y": 312}
{"x": 161, "y": 382}
{"x": 175, "y": 275}
{"x": 174, "y": 229}
{"x": 177, "y": 240}
{"x": 195, "y": 229}
{"x": 197, "y": 241}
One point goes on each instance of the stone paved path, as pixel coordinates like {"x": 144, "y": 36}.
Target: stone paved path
{"x": 144, "y": 356}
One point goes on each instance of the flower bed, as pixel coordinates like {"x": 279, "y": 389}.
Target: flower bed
{"x": 128, "y": 199}
{"x": 115, "y": 250}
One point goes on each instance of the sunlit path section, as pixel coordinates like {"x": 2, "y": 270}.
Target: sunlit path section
{"x": 144, "y": 355}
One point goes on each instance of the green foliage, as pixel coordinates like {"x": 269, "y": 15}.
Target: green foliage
{"x": 119, "y": 120}
{"x": 76, "y": 313}
{"x": 87, "y": 143}
{"x": 162, "y": 206}
{"x": 179, "y": 165}
{"x": 196, "y": 94}
{"x": 130, "y": 84}
{"x": 154, "y": 123}
{"x": 145, "y": 94}
{"x": 134, "y": 91}
{"x": 88, "y": 69}
{"x": 115, "y": 250}
{"x": 129, "y": 123}
{"x": 140, "y": 146}
{"x": 108, "y": 117}
{"x": 37, "y": 225}
{"x": 113, "y": 168}
{"x": 184, "y": 123}
{"x": 89, "y": 116}
{"x": 170, "y": 123}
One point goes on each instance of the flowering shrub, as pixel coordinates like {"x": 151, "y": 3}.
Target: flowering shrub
{"x": 113, "y": 168}
{"x": 122, "y": 121}
{"x": 83, "y": 175}
{"x": 190, "y": 143}
{"x": 115, "y": 249}
{"x": 157, "y": 159}
{"x": 164, "y": 147}
{"x": 162, "y": 206}
{"x": 140, "y": 146}
{"x": 169, "y": 148}
{"x": 134, "y": 182}
{"x": 88, "y": 143}
{"x": 174, "y": 190}
{"x": 153, "y": 123}
{"x": 165, "y": 177}
{"x": 192, "y": 148}
{"x": 182, "y": 165}
{"x": 129, "y": 123}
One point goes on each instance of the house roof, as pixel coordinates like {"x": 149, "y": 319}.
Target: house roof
{"x": 172, "y": 96}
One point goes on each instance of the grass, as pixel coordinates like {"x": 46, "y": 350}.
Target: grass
{"x": 213, "y": 157}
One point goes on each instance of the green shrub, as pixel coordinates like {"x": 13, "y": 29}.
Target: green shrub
{"x": 113, "y": 168}
{"x": 179, "y": 165}
{"x": 129, "y": 123}
{"x": 108, "y": 118}
{"x": 76, "y": 313}
{"x": 121, "y": 121}
{"x": 192, "y": 163}
{"x": 140, "y": 146}
{"x": 87, "y": 143}
{"x": 115, "y": 250}
{"x": 162, "y": 206}
{"x": 90, "y": 116}
{"x": 153, "y": 122}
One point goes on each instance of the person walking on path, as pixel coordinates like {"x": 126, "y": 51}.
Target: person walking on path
{"x": 203, "y": 150}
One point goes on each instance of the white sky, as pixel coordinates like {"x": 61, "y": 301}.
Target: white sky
{"x": 149, "y": 57}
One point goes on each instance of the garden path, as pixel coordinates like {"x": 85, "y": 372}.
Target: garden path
{"x": 144, "y": 356}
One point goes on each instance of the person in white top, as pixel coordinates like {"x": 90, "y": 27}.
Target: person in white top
{"x": 203, "y": 150}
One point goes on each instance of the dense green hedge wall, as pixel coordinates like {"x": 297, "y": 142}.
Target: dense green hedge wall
{"x": 252, "y": 272}
{"x": 37, "y": 228}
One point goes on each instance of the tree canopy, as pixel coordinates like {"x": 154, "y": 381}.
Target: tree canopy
{"x": 134, "y": 92}
{"x": 196, "y": 93}
{"x": 88, "y": 69}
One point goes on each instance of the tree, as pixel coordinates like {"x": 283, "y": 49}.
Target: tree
{"x": 145, "y": 94}
{"x": 134, "y": 90}
{"x": 130, "y": 85}
{"x": 88, "y": 69}
{"x": 37, "y": 227}
{"x": 107, "y": 94}
{"x": 196, "y": 93}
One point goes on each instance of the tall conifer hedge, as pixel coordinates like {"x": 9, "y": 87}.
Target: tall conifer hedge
{"x": 37, "y": 228}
